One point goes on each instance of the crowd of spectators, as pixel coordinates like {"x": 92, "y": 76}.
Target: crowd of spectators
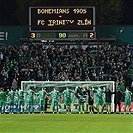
{"x": 63, "y": 63}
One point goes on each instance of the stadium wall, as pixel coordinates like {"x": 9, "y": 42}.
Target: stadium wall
{"x": 10, "y": 35}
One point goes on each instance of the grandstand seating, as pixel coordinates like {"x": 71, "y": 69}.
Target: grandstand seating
{"x": 54, "y": 63}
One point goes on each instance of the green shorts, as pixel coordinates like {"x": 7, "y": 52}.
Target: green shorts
{"x": 20, "y": 102}
{"x": 55, "y": 102}
{"x": 42, "y": 102}
{"x": 99, "y": 102}
{"x": 67, "y": 101}
{"x": 2, "y": 103}
{"x": 127, "y": 103}
{"x": 108, "y": 103}
{"x": 31, "y": 102}
{"x": 11, "y": 102}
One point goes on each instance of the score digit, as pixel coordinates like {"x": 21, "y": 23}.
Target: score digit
{"x": 62, "y": 35}
{"x": 91, "y": 35}
{"x": 33, "y": 35}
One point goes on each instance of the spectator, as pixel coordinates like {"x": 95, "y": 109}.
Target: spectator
{"x": 117, "y": 99}
{"x": 14, "y": 85}
{"x": 57, "y": 63}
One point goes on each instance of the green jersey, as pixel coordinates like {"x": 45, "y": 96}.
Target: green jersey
{"x": 30, "y": 94}
{"x": 67, "y": 97}
{"x": 42, "y": 94}
{"x": 99, "y": 93}
{"x": 20, "y": 94}
{"x": 122, "y": 87}
{"x": 67, "y": 93}
{"x": 11, "y": 95}
{"x": 55, "y": 98}
{"x": 99, "y": 96}
{"x": 2, "y": 96}
{"x": 55, "y": 94}
{"x": 128, "y": 95}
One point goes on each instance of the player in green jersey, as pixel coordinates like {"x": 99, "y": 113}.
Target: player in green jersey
{"x": 2, "y": 100}
{"x": 21, "y": 101}
{"x": 55, "y": 99}
{"x": 11, "y": 95}
{"x": 30, "y": 95}
{"x": 42, "y": 95}
{"x": 127, "y": 102}
{"x": 67, "y": 99}
{"x": 99, "y": 98}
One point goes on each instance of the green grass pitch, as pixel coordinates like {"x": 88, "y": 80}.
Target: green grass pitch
{"x": 66, "y": 123}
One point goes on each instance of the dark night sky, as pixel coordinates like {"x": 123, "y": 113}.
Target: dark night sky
{"x": 128, "y": 14}
{"x": 9, "y": 7}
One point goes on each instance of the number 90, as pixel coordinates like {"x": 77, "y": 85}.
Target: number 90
{"x": 62, "y": 35}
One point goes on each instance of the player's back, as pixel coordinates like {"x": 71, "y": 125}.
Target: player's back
{"x": 20, "y": 94}
{"x": 2, "y": 95}
{"x": 11, "y": 95}
{"x": 55, "y": 94}
{"x": 42, "y": 94}
{"x": 67, "y": 93}
{"x": 30, "y": 93}
{"x": 128, "y": 95}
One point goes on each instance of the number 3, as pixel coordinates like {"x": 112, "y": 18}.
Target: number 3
{"x": 33, "y": 35}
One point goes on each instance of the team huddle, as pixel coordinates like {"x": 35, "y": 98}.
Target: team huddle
{"x": 101, "y": 96}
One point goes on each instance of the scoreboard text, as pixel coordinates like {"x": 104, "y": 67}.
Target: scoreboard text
{"x": 62, "y": 20}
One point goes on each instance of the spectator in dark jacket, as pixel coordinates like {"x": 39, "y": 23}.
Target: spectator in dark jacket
{"x": 108, "y": 98}
{"x": 90, "y": 100}
{"x": 117, "y": 99}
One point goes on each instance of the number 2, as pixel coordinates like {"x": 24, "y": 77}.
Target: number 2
{"x": 91, "y": 35}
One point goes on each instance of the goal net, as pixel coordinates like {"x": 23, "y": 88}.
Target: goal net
{"x": 61, "y": 86}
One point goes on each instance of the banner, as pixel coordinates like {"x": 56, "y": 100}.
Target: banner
{"x": 122, "y": 107}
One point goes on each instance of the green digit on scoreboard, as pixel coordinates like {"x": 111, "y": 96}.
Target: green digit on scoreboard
{"x": 62, "y": 35}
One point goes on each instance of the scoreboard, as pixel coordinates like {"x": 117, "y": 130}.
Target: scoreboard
{"x": 62, "y": 23}
{"x": 63, "y": 35}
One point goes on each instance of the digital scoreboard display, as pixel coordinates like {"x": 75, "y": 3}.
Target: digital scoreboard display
{"x": 63, "y": 35}
{"x": 55, "y": 23}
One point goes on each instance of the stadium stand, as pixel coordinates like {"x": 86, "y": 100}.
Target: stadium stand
{"x": 63, "y": 63}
